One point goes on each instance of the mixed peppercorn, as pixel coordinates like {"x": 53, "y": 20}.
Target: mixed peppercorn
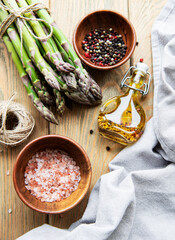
{"x": 104, "y": 47}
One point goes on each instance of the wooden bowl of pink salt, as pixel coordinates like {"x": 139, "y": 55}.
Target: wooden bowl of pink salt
{"x": 52, "y": 174}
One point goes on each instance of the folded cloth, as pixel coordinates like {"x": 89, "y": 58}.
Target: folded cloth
{"x": 136, "y": 199}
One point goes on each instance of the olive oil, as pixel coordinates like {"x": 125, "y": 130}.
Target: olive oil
{"x": 122, "y": 118}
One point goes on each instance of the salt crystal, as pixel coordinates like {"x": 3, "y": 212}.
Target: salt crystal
{"x": 51, "y": 179}
{"x": 10, "y": 211}
{"x": 8, "y": 172}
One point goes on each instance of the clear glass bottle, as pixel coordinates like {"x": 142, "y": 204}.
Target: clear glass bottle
{"x": 122, "y": 118}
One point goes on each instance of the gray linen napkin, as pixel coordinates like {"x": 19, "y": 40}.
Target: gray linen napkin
{"x": 136, "y": 200}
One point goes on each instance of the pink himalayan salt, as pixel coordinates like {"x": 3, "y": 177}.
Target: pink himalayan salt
{"x": 51, "y": 175}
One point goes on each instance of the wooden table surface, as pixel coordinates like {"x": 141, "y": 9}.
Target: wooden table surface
{"x": 75, "y": 123}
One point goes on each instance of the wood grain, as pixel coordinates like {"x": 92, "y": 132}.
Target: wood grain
{"x": 76, "y": 123}
{"x": 78, "y": 120}
{"x": 148, "y": 11}
{"x": 21, "y": 219}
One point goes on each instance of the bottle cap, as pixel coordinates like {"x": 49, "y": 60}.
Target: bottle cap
{"x": 142, "y": 67}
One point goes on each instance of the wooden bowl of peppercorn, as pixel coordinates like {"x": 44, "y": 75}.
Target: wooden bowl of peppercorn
{"x": 104, "y": 39}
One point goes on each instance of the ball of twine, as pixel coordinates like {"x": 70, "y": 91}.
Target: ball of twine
{"x": 16, "y": 124}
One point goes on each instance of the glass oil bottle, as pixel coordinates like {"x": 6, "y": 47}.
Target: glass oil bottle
{"x": 122, "y": 118}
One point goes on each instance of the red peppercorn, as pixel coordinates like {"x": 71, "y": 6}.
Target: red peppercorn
{"x": 83, "y": 42}
{"x": 98, "y": 49}
{"x": 141, "y": 59}
{"x": 87, "y": 55}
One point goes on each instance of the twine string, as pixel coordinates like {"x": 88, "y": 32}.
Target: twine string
{"x": 24, "y": 127}
{"x": 18, "y": 14}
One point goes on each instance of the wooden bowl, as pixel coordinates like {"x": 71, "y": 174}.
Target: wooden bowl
{"x": 75, "y": 151}
{"x": 104, "y": 19}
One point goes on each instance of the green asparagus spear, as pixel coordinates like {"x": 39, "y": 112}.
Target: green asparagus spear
{"x": 95, "y": 92}
{"x": 68, "y": 78}
{"x": 76, "y": 93}
{"x": 45, "y": 113}
{"x": 85, "y": 81}
{"x": 45, "y": 97}
{"x": 60, "y": 65}
{"x": 60, "y": 101}
{"x": 52, "y": 42}
{"x": 63, "y": 52}
{"x": 94, "y": 88}
{"x": 33, "y": 49}
{"x": 59, "y": 98}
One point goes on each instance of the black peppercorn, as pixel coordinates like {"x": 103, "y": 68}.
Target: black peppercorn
{"x": 91, "y": 131}
{"x": 103, "y": 45}
{"x": 108, "y": 148}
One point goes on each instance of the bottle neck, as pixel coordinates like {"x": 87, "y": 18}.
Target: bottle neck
{"x": 137, "y": 78}
{"x": 136, "y": 82}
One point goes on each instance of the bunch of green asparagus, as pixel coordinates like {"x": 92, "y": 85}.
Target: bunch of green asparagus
{"x": 49, "y": 68}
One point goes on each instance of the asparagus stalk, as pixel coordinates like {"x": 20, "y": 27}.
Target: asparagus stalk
{"x": 78, "y": 97}
{"x": 94, "y": 88}
{"x": 33, "y": 49}
{"x": 68, "y": 78}
{"x": 60, "y": 101}
{"x": 75, "y": 93}
{"x": 60, "y": 65}
{"x": 50, "y": 66}
{"x": 54, "y": 46}
{"x": 63, "y": 52}
{"x": 41, "y": 91}
{"x": 83, "y": 76}
{"x": 94, "y": 95}
{"x": 45, "y": 113}
{"x": 85, "y": 81}
{"x": 58, "y": 97}
{"x": 43, "y": 53}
